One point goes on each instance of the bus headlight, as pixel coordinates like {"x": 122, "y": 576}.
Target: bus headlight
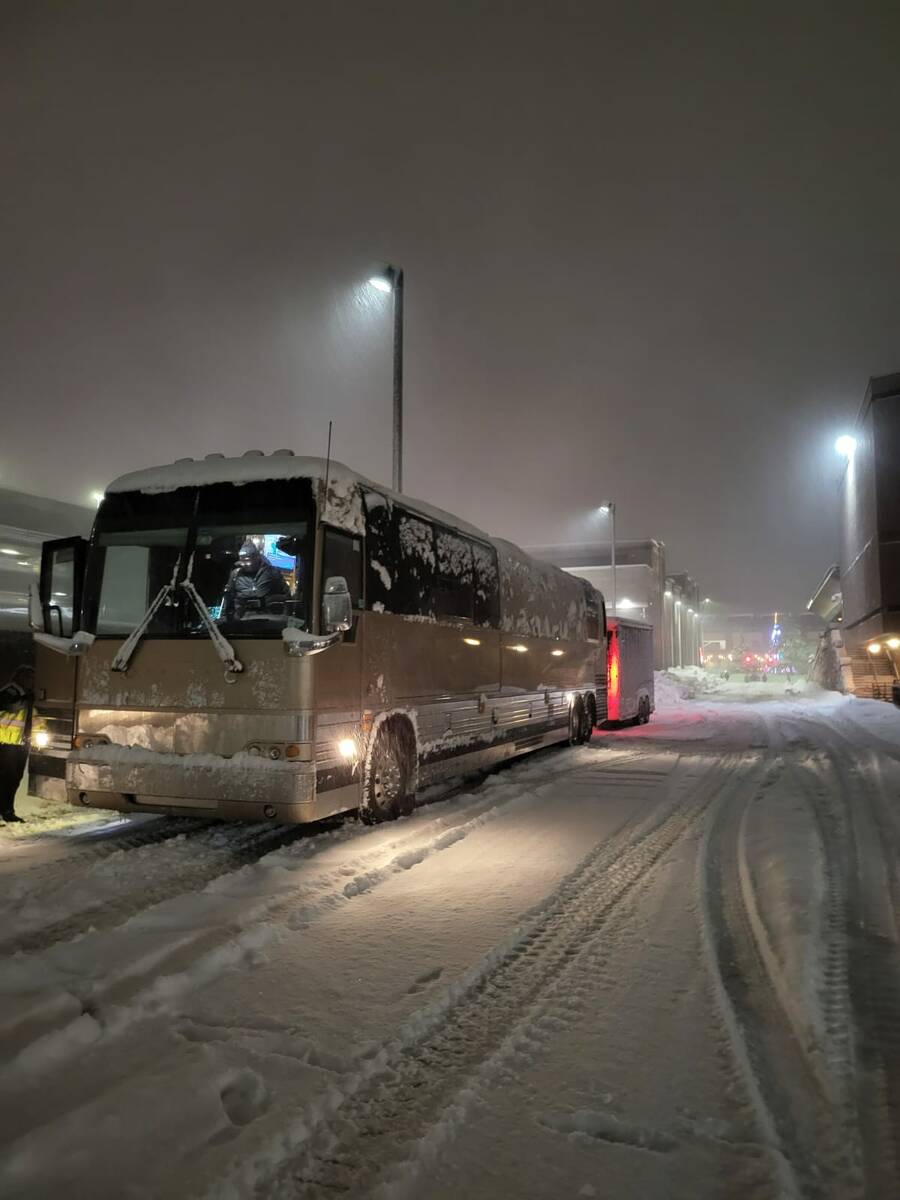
{"x": 42, "y": 739}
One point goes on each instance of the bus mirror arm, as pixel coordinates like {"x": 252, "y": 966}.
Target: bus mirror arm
{"x": 301, "y": 644}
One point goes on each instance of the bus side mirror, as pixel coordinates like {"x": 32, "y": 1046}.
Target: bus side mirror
{"x": 337, "y": 609}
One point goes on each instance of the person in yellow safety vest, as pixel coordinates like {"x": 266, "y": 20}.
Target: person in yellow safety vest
{"x": 16, "y": 729}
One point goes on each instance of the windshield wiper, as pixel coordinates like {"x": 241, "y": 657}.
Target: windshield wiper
{"x": 128, "y": 647}
{"x": 223, "y": 647}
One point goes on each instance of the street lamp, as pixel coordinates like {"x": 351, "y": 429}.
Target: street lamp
{"x": 609, "y": 510}
{"x": 390, "y": 279}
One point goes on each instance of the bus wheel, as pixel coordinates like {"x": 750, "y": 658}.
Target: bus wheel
{"x": 577, "y": 722}
{"x": 590, "y": 718}
{"x": 388, "y": 792}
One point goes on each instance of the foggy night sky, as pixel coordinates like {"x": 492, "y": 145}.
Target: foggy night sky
{"x": 652, "y": 254}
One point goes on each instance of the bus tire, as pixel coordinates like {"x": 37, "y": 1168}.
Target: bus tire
{"x": 590, "y": 712}
{"x": 389, "y": 791}
{"x": 577, "y": 722}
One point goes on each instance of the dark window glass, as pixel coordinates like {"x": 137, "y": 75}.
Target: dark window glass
{"x": 343, "y": 556}
{"x": 453, "y": 581}
{"x": 413, "y": 585}
{"x": 381, "y": 553}
{"x": 487, "y": 585}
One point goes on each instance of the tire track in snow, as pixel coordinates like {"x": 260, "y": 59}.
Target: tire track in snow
{"x": 124, "y": 997}
{"x": 805, "y": 1109}
{"x": 209, "y": 855}
{"x": 871, "y": 849}
{"x": 377, "y": 1119}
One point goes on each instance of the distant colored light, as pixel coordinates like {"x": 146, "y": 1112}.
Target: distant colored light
{"x": 845, "y": 445}
{"x": 381, "y": 283}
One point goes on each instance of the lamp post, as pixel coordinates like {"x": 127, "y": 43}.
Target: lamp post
{"x": 609, "y": 510}
{"x": 390, "y": 279}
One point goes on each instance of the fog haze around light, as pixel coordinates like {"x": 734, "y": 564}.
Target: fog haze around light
{"x": 650, "y": 252}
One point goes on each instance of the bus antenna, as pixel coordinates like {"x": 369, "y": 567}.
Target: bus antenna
{"x": 327, "y": 468}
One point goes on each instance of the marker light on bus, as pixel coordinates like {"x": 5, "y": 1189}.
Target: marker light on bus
{"x": 347, "y": 748}
{"x": 472, "y": 641}
{"x": 42, "y": 738}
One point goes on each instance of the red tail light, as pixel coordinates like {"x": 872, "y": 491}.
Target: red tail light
{"x": 612, "y": 679}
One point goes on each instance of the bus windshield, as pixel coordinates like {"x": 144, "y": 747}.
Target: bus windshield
{"x": 247, "y": 550}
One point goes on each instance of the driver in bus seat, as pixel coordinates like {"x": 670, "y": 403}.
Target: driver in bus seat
{"x": 253, "y": 586}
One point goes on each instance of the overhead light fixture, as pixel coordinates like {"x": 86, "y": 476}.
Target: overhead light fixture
{"x": 97, "y": 497}
{"x": 381, "y": 283}
{"x": 893, "y": 643}
{"x": 347, "y": 748}
{"x": 875, "y": 648}
{"x": 845, "y": 445}
{"x": 14, "y": 553}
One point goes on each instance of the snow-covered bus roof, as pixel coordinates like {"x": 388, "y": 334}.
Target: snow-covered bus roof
{"x": 255, "y": 467}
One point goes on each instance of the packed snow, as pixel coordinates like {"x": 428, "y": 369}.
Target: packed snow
{"x": 663, "y": 964}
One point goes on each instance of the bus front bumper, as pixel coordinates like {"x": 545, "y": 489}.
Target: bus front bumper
{"x": 269, "y": 792}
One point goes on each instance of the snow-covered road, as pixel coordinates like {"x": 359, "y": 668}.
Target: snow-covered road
{"x": 665, "y": 964}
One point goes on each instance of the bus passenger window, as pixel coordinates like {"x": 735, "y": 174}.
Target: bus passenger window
{"x": 381, "y": 553}
{"x": 343, "y": 556}
{"x": 453, "y": 591}
{"x": 413, "y": 583}
{"x": 487, "y": 585}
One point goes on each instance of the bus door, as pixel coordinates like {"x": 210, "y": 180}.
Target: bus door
{"x": 59, "y": 595}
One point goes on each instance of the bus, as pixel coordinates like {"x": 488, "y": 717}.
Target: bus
{"x": 277, "y": 638}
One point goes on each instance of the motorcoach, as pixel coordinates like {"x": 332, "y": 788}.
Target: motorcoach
{"x": 277, "y": 638}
